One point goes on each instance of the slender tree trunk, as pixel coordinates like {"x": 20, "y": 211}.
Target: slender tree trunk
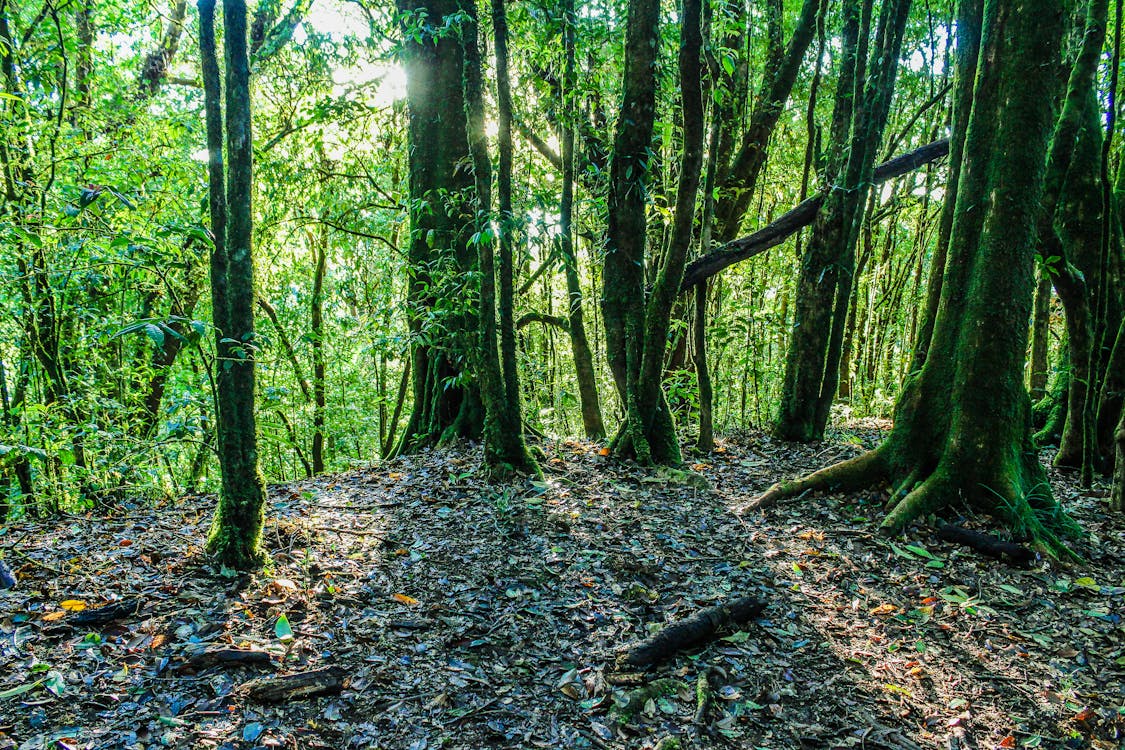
{"x": 320, "y": 253}
{"x": 504, "y": 448}
{"x": 1040, "y": 338}
{"x": 623, "y": 282}
{"x": 592, "y": 423}
{"x": 1117, "y": 493}
{"x": 706, "y": 440}
{"x": 236, "y": 531}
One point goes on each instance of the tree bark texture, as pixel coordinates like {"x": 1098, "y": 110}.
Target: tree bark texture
{"x": 236, "y": 530}
{"x": 962, "y": 426}
{"x": 442, "y": 323}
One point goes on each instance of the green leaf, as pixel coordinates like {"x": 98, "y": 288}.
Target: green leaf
{"x": 55, "y": 683}
{"x": 155, "y": 334}
{"x": 20, "y": 689}
{"x": 921, "y": 551}
{"x": 282, "y": 629}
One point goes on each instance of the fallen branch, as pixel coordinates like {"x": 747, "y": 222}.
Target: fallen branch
{"x": 107, "y": 614}
{"x": 696, "y": 630}
{"x": 329, "y": 680}
{"x": 703, "y": 268}
{"x": 987, "y": 544}
{"x": 228, "y": 657}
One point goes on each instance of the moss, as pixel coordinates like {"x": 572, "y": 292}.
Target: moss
{"x": 963, "y": 420}
{"x": 637, "y": 699}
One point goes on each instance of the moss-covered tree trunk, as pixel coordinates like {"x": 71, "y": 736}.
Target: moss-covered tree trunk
{"x": 442, "y": 265}
{"x": 962, "y": 423}
{"x": 623, "y": 282}
{"x": 637, "y": 324}
{"x": 1069, "y": 227}
{"x": 592, "y": 424}
{"x": 824, "y": 287}
{"x": 1040, "y": 339}
{"x": 236, "y": 530}
{"x": 504, "y": 448}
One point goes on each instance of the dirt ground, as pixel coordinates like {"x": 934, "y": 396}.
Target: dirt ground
{"x": 466, "y": 614}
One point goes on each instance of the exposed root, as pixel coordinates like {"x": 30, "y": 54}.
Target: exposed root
{"x": 854, "y": 473}
{"x": 933, "y": 493}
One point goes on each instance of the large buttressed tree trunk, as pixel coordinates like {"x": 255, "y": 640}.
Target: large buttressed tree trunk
{"x": 962, "y": 423}
{"x": 236, "y": 531}
{"x": 442, "y": 320}
{"x": 637, "y": 324}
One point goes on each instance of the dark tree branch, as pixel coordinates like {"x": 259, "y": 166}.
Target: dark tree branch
{"x": 551, "y": 320}
{"x": 798, "y": 217}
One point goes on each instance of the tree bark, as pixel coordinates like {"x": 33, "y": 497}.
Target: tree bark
{"x": 442, "y": 323}
{"x": 592, "y": 423}
{"x": 798, "y": 217}
{"x": 1040, "y": 338}
{"x": 962, "y": 427}
{"x": 236, "y": 530}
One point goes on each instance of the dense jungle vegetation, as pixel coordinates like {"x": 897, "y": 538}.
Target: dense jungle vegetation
{"x": 469, "y": 364}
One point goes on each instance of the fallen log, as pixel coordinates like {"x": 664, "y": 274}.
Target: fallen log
{"x": 229, "y": 657}
{"x": 987, "y": 544}
{"x": 96, "y": 618}
{"x": 696, "y": 630}
{"x": 327, "y": 681}
{"x": 704, "y": 267}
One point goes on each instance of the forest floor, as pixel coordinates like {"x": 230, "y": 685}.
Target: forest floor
{"x": 465, "y": 614}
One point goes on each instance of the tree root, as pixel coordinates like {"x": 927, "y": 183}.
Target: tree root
{"x": 854, "y": 473}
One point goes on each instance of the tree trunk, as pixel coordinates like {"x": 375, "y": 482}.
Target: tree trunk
{"x": 962, "y": 427}
{"x": 824, "y": 288}
{"x": 592, "y": 423}
{"x": 623, "y": 281}
{"x": 320, "y": 254}
{"x": 443, "y": 325}
{"x": 504, "y": 448}
{"x": 1069, "y": 228}
{"x": 236, "y": 530}
{"x": 1040, "y": 338}
{"x": 637, "y": 325}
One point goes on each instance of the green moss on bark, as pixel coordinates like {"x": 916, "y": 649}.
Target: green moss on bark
{"x": 962, "y": 423}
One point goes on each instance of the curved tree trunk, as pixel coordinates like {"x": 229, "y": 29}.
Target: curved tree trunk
{"x": 962, "y": 423}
